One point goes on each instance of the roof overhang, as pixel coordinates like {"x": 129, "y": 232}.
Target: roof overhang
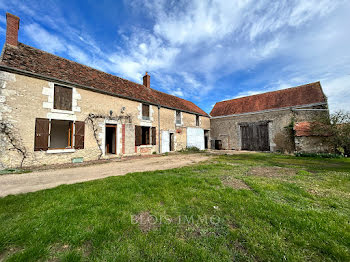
{"x": 272, "y": 110}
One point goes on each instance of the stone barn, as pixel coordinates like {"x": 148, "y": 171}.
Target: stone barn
{"x": 271, "y": 121}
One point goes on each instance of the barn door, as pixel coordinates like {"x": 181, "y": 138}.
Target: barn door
{"x": 245, "y": 136}
{"x": 255, "y": 136}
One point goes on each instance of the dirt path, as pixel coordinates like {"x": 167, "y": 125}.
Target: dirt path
{"x": 31, "y": 182}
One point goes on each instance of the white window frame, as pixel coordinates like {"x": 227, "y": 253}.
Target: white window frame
{"x": 180, "y": 114}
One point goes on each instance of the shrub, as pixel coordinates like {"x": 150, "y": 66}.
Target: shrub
{"x": 191, "y": 149}
{"x": 335, "y": 131}
{"x": 318, "y": 155}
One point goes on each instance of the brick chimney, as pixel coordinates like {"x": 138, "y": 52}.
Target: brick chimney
{"x": 147, "y": 80}
{"x": 12, "y": 27}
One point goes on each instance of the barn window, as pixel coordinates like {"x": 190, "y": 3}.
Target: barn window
{"x": 197, "y": 120}
{"x": 62, "y": 98}
{"x": 61, "y": 134}
{"x": 145, "y": 135}
{"x": 145, "y": 112}
{"x": 178, "y": 117}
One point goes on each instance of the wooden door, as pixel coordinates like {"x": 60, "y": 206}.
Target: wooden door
{"x": 255, "y": 137}
{"x": 165, "y": 141}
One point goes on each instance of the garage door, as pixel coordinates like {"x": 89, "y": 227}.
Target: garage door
{"x": 165, "y": 142}
{"x": 255, "y": 137}
{"x": 195, "y": 137}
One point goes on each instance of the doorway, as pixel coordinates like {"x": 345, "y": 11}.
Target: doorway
{"x": 206, "y": 139}
{"x": 111, "y": 139}
{"x": 255, "y": 136}
{"x": 171, "y": 142}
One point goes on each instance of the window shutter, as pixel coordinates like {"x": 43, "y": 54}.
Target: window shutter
{"x": 79, "y": 134}
{"x": 145, "y": 110}
{"x": 154, "y": 136}
{"x": 138, "y": 135}
{"x": 63, "y": 98}
{"x": 41, "y": 134}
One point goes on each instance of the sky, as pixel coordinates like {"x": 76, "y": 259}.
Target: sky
{"x": 203, "y": 51}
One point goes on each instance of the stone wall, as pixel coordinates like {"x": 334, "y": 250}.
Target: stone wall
{"x": 23, "y": 99}
{"x": 310, "y": 144}
{"x": 227, "y": 129}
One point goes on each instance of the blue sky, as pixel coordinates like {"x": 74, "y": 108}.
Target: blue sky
{"x": 203, "y": 51}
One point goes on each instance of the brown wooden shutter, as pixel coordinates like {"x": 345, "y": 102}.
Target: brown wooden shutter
{"x": 41, "y": 140}
{"x": 63, "y": 98}
{"x": 154, "y": 136}
{"x": 79, "y": 134}
{"x": 145, "y": 110}
{"x": 138, "y": 135}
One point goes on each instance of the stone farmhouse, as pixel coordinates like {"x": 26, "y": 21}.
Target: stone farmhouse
{"x": 269, "y": 121}
{"x": 53, "y": 111}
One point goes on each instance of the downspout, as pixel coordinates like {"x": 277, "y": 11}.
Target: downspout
{"x": 159, "y": 129}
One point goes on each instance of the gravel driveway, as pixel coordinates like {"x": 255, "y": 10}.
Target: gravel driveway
{"x": 39, "y": 180}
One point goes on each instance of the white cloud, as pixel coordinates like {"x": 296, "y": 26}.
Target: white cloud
{"x": 3, "y": 19}
{"x": 338, "y": 92}
{"x": 189, "y": 46}
{"x": 78, "y": 55}
{"x": 177, "y": 92}
{"x": 43, "y": 39}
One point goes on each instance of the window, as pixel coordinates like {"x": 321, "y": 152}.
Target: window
{"x": 145, "y": 112}
{"x": 145, "y": 135}
{"x": 58, "y": 134}
{"x": 61, "y": 134}
{"x": 197, "y": 120}
{"x": 178, "y": 117}
{"x": 62, "y": 98}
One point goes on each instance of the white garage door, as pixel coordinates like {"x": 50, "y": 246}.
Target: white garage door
{"x": 165, "y": 142}
{"x": 195, "y": 137}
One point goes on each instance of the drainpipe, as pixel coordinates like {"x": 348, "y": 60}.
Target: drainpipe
{"x": 159, "y": 129}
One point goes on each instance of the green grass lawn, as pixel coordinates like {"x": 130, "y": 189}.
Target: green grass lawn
{"x": 249, "y": 207}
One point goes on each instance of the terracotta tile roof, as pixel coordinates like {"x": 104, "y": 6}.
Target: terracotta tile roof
{"x": 311, "y": 129}
{"x": 39, "y": 62}
{"x": 302, "y": 129}
{"x": 295, "y": 96}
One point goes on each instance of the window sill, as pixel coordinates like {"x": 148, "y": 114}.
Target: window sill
{"x": 58, "y": 151}
{"x": 179, "y": 124}
{"x": 62, "y": 111}
{"x": 146, "y": 120}
{"x": 146, "y": 146}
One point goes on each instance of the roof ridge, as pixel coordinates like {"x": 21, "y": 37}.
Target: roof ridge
{"x": 299, "y": 95}
{"x": 72, "y": 61}
{"x": 275, "y": 91}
